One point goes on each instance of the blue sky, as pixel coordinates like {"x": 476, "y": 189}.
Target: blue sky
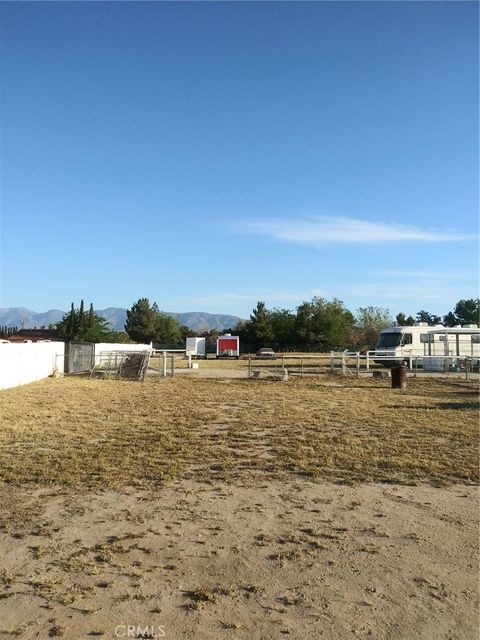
{"x": 209, "y": 155}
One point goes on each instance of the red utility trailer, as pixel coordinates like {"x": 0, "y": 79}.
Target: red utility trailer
{"x": 228, "y": 346}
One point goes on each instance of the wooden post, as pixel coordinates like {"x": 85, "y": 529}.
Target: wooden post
{"x": 249, "y": 366}
{"x": 368, "y": 360}
{"x": 344, "y": 364}
{"x": 283, "y": 362}
{"x": 173, "y": 364}
{"x": 332, "y": 361}
{"x": 410, "y": 364}
{"x": 358, "y": 364}
{"x": 189, "y": 360}
{"x": 301, "y": 367}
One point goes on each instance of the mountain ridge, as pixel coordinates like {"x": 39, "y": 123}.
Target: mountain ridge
{"x": 22, "y": 317}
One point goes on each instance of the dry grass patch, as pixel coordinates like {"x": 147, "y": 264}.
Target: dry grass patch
{"x": 108, "y": 433}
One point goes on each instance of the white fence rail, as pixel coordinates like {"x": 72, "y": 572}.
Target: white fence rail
{"x": 169, "y": 354}
{"x": 354, "y": 363}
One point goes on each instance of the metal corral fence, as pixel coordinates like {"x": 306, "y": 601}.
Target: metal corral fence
{"x": 350, "y": 363}
{"x": 167, "y": 361}
{"x": 175, "y": 361}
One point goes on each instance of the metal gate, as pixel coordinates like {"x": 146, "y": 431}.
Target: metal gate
{"x": 79, "y": 357}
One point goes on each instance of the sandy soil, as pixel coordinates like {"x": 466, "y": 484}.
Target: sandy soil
{"x": 293, "y": 559}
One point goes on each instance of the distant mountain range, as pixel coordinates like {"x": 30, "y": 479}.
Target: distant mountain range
{"x": 194, "y": 320}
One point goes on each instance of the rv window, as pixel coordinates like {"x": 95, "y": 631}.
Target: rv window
{"x": 407, "y": 338}
{"x": 388, "y": 340}
{"x": 476, "y": 338}
{"x": 441, "y": 338}
{"x": 426, "y": 337}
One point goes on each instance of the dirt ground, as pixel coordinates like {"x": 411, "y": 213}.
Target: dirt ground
{"x": 211, "y": 509}
{"x": 294, "y": 559}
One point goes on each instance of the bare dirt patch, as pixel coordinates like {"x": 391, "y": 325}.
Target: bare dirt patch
{"x": 292, "y": 558}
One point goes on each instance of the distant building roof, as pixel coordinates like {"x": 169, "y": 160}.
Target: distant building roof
{"x": 34, "y": 335}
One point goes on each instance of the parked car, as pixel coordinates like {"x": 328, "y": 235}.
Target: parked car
{"x": 266, "y": 353}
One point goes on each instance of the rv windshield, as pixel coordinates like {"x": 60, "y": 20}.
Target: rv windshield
{"x": 389, "y": 340}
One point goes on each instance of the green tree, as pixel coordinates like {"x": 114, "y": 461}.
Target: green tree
{"x": 322, "y": 324}
{"x": 403, "y": 321}
{"x": 243, "y": 330}
{"x": 167, "y": 329}
{"x": 99, "y": 331}
{"x": 450, "y": 320}
{"x": 141, "y": 324}
{"x": 304, "y": 335}
{"x": 369, "y": 322}
{"x": 282, "y": 325}
{"x": 260, "y": 329}
{"x": 120, "y": 337}
{"x": 81, "y": 318}
{"x": 6, "y": 332}
{"x": 72, "y": 328}
{"x": 468, "y": 311}
{"x": 186, "y": 332}
{"x": 91, "y": 316}
{"x": 430, "y": 318}
{"x": 211, "y": 340}
{"x": 145, "y": 323}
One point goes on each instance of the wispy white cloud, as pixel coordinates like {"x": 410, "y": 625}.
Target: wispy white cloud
{"x": 323, "y": 230}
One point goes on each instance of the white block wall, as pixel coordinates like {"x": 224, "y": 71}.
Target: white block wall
{"x": 24, "y": 362}
{"x": 102, "y": 347}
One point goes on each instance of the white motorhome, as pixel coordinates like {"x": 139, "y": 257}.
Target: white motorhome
{"x": 419, "y": 341}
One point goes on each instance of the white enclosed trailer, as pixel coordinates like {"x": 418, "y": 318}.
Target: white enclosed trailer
{"x": 404, "y": 343}
{"x": 196, "y": 347}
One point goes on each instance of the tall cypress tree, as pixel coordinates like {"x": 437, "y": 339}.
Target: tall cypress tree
{"x": 71, "y": 324}
{"x": 81, "y": 318}
{"x": 78, "y": 325}
{"x": 91, "y": 317}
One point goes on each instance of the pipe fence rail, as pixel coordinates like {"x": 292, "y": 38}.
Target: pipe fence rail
{"x": 355, "y": 363}
{"x": 169, "y": 362}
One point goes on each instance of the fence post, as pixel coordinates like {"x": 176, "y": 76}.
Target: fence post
{"x": 358, "y": 364}
{"x": 173, "y": 364}
{"x": 344, "y": 365}
{"x": 164, "y": 363}
{"x": 467, "y": 368}
{"x": 301, "y": 367}
{"x": 249, "y": 366}
{"x": 283, "y": 362}
{"x": 410, "y": 364}
{"x": 368, "y": 361}
{"x": 189, "y": 360}
{"x": 332, "y": 361}
{"x": 416, "y": 365}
